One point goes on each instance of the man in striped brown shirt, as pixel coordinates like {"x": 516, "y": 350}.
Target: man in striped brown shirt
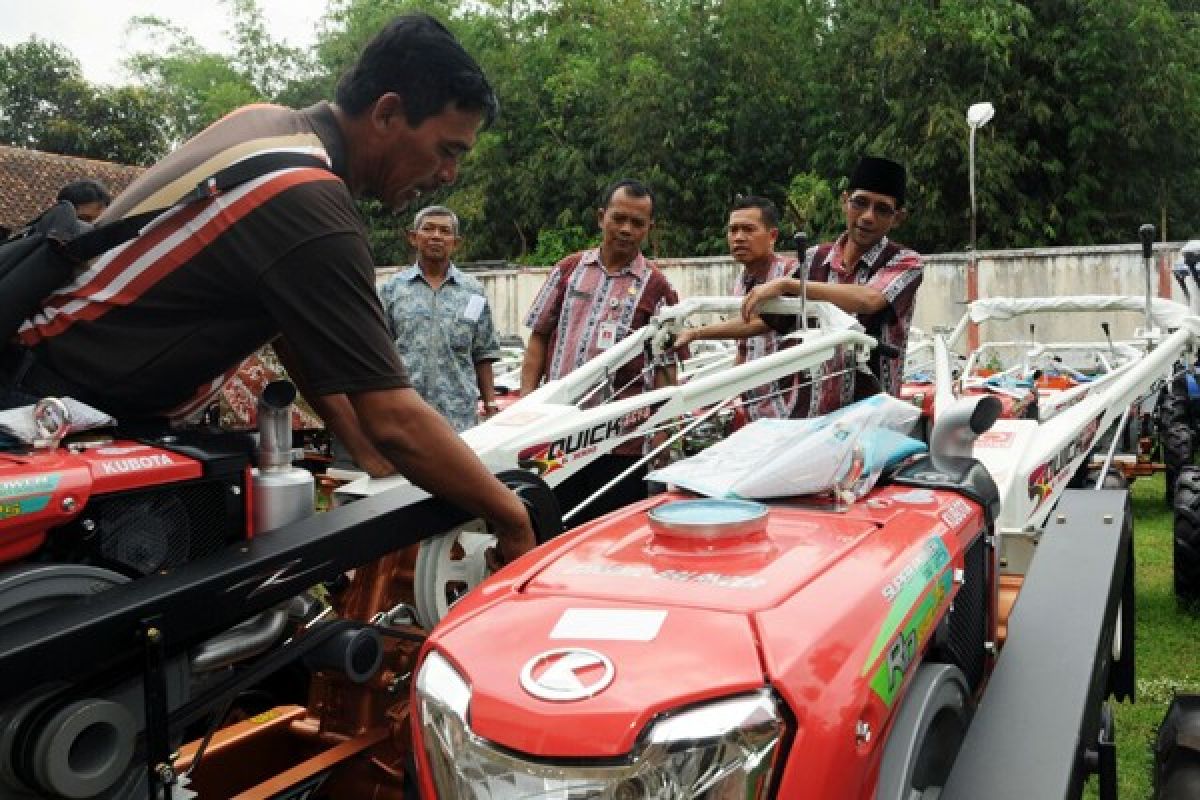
{"x": 153, "y": 328}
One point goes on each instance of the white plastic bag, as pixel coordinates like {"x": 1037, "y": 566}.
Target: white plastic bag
{"x": 843, "y": 452}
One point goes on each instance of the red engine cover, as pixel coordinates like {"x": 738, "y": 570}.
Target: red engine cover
{"x": 831, "y": 610}
{"x": 43, "y": 490}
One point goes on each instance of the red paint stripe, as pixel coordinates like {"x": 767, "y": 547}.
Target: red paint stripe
{"x": 171, "y": 260}
{"x": 972, "y": 296}
{"x": 136, "y": 249}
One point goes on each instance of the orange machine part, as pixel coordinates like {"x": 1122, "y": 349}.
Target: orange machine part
{"x": 355, "y": 735}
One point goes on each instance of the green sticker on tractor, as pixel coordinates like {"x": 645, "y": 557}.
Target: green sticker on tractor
{"x": 23, "y": 505}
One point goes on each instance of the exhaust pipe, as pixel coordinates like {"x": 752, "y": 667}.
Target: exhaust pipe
{"x": 282, "y": 493}
{"x": 956, "y": 428}
{"x": 801, "y": 241}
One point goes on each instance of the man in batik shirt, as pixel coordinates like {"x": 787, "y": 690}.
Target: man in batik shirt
{"x": 442, "y": 324}
{"x": 590, "y": 301}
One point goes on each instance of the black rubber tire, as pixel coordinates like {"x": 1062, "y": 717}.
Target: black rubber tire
{"x": 1177, "y": 448}
{"x": 1173, "y": 408}
{"x": 1187, "y": 536}
{"x": 1176, "y": 763}
{"x": 938, "y": 724}
{"x": 1183, "y": 781}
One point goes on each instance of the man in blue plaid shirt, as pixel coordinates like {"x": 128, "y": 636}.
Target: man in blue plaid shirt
{"x": 442, "y": 324}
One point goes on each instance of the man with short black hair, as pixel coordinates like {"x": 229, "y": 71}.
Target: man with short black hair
{"x": 89, "y": 197}
{"x": 441, "y": 323}
{"x": 752, "y": 231}
{"x": 591, "y": 300}
{"x": 153, "y": 328}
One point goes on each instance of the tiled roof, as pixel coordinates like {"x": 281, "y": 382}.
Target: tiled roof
{"x": 30, "y": 180}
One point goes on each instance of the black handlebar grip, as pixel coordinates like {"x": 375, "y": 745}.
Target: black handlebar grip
{"x": 1146, "y": 234}
{"x": 800, "y": 238}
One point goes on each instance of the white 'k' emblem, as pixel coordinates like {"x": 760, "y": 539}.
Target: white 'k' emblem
{"x": 570, "y": 673}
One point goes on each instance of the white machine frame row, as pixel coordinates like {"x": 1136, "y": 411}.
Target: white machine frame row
{"x": 1032, "y": 461}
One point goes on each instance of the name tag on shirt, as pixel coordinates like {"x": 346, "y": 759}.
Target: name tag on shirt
{"x": 475, "y": 307}
{"x": 606, "y": 335}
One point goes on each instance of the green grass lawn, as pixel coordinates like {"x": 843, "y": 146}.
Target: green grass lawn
{"x": 1168, "y": 643}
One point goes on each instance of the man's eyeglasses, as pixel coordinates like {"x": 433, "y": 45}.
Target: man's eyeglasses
{"x": 882, "y": 209}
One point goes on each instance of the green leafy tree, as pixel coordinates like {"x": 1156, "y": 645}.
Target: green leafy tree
{"x": 36, "y": 77}
{"x": 202, "y": 86}
{"x": 707, "y": 99}
{"x": 46, "y": 104}
{"x": 1095, "y": 121}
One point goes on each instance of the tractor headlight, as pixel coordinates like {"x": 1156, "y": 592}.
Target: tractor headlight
{"x": 726, "y": 748}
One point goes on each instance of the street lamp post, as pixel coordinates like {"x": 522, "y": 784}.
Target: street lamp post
{"x": 978, "y": 115}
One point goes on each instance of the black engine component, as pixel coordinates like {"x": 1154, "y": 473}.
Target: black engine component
{"x": 158, "y": 528}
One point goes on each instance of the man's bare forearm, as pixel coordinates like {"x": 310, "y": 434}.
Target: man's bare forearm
{"x": 850, "y": 298}
{"x": 485, "y": 379}
{"x": 534, "y": 363}
{"x": 729, "y": 329}
{"x": 420, "y": 442}
{"x": 342, "y": 421}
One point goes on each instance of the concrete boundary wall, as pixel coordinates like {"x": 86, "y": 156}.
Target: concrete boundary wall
{"x": 1108, "y": 269}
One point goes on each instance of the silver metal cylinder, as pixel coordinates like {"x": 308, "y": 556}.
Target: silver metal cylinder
{"x": 282, "y": 496}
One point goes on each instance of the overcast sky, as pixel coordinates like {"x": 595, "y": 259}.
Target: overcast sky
{"x": 95, "y": 31}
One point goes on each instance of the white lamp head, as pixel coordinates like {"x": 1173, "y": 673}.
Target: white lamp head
{"x": 979, "y": 114}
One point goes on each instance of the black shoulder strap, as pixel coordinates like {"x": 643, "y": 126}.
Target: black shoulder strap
{"x": 106, "y": 237}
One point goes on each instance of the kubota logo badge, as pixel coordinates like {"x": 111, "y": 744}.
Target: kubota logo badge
{"x": 570, "y": 673}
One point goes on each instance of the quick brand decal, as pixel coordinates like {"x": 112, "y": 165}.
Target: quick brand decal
{"x": 121, "y": 451}
{"x": 1046, "y": 478}
{"x": 547, "y": 457}
{"x": 23, "y": 505}
{"x": 123, "y": 465}
{"x": 915, "y": 497}
{"x": 902, "y": 650}
{"x": 15, "y": 487}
